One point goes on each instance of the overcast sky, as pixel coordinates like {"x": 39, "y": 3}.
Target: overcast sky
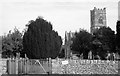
{"x": 65, "y": 15}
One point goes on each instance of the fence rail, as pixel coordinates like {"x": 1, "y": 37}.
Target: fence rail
{"x": 28, "y": 66}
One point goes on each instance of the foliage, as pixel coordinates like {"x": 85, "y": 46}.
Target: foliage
{"x": 118, "y": 37}
{"x": 12, "y": 43}
{"x": 106, "y": 36}
{"x": 40, "y": 40}
{"x": 82, "y": 42}
{"x": 100, "y": 42}
{"x": 62, "y": 53}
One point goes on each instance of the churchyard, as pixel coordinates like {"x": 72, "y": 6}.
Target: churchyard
{"x": 85, "y": 67}
{"x": 70, "y": 66}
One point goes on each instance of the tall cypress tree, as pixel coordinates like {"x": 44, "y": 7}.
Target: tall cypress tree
{"x": 40, "y": 40}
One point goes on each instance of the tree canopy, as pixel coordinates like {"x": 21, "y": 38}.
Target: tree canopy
{"x": 81, "y": 42}
{"x": 12, "y": 43}
{"x": 106, "y": 37}
{"x": 40, "y": 40}
{"x": 100, "y": 42}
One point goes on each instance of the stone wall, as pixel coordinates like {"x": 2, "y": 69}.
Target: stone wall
{"x": 85, "y": 67}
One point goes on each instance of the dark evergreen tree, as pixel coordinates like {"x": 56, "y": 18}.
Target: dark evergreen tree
{"x": 40, "y": 40}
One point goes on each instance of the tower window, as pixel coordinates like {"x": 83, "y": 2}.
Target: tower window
{"x": 101, "y": 20}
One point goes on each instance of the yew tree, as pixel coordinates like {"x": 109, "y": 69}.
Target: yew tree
{"x": 40, "y": 41}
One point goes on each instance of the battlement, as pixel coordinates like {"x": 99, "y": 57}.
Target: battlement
{"x": 99, "y": 10}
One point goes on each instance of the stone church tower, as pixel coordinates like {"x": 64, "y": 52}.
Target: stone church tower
{"x": 119, "y": 10}
{"x": 98, "y": 18}
{"x": 68, "y": 42}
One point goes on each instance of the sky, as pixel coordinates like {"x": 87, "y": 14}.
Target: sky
{"x": 65, "y": 15}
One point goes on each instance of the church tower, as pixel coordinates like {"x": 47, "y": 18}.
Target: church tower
{"x": 68, "y": 42}
{"x": 119, "y": 10}
{"x": 98, "y": 18}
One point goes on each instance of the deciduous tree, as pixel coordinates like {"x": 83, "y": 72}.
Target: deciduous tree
{"x": 82, "y": 42}
{"x": 12, "y": 43}
{"x": 106, "y": 37}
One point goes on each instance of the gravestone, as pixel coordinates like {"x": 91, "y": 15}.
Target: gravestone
{"x": 90, "y": 55}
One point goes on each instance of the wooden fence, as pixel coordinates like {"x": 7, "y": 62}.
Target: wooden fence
{"x": 29, "y": 66}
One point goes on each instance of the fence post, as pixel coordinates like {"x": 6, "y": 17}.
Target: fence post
{"x": 9, "y": 65}
{"x": 25, "y": 64}
{"x": 14, "y": 65}
{"x": 21, "y": 64}
{"x": 16, "y": 60}
{"x": 23, "y": 67}
{"x": 50, "y": 65}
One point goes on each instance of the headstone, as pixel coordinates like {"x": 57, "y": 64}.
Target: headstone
{"x": 90, "y": 55}
{"x": 18, "y": 55}
{"x": 81, "y": 56}
{"x": 0, "y": 56}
